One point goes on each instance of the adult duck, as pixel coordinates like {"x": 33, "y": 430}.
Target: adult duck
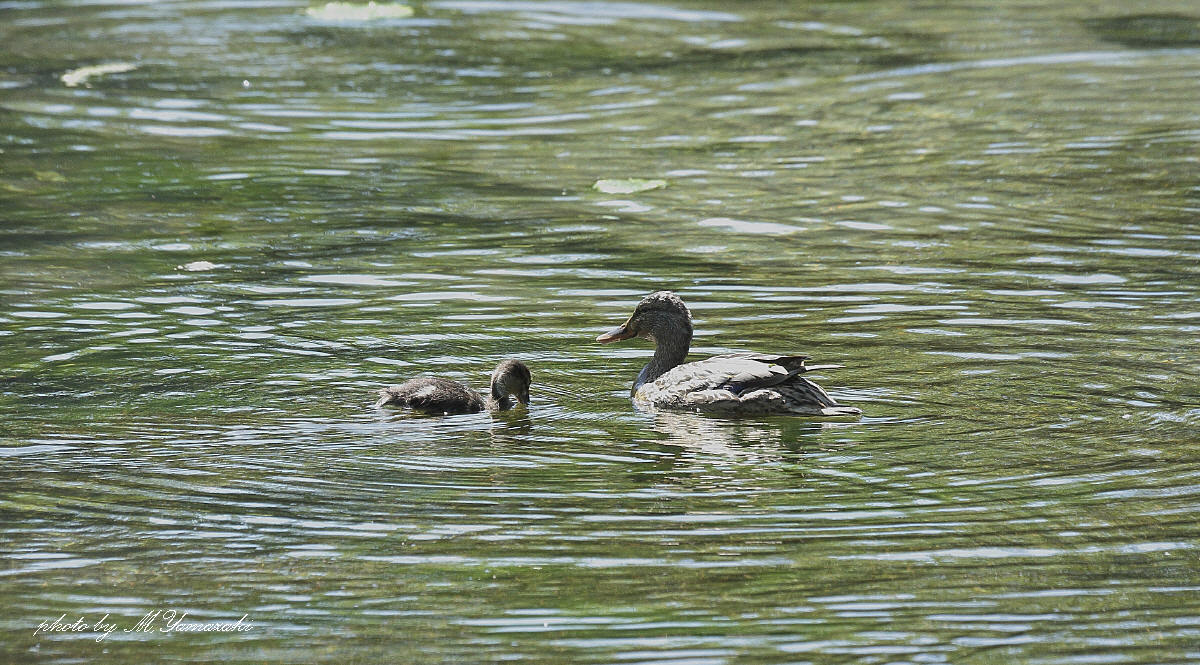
{"x": 437, "y": 395}
{"x": 731, "y": 384}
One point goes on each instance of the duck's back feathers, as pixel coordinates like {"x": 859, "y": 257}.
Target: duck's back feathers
{"x": 791, "y": 362}
{"x": 432, "y": 395}
{"x": 742, "y": 383}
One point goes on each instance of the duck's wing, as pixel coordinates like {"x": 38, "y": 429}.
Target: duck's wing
{"x": 735, "y": 372}
{"x": 794, "y": 364}
{"x": 745, "y": 384}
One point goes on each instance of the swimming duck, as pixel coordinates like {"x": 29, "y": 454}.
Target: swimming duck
{"x": 436, "y": 395}
{"x": 732, "y": 384}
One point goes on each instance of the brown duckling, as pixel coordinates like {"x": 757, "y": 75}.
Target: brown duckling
{"x": 437, "y": 395}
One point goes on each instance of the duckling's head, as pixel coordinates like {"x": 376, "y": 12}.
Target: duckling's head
{"x": 511, "y": 378}
{"x": 659, "y": 317}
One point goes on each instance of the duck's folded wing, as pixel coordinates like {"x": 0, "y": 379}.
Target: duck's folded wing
{"x": 792, "y": 363}
{"x": 735, "y": 373}
{"x": 740, "y": 384}
{"x": 738, "y": 373}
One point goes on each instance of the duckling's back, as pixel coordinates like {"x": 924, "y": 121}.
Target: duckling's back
{"x": 432, "y": 395}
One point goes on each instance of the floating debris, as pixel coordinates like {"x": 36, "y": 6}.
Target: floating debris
{"x": 198, "y": 266}
{"x": 356, "y": 11}
{"x": 49, "y": 176}
{"x": 77, "y": 77}
{"x": 627, "y": 185}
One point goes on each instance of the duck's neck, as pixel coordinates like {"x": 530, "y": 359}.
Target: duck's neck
{"x": 669, "y": 352}
{"x": 499, "y": 404}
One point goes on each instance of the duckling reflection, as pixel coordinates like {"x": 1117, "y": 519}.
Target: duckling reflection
{"x": 441, "y": 396}
{"x": 510, "y": 427}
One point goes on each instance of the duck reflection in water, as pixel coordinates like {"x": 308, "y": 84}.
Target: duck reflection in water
{"x": 441, "y": 396}
{"x": 736, "y": 438}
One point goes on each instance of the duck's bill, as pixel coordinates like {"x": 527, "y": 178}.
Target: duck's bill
{"x": 615, "y": 335}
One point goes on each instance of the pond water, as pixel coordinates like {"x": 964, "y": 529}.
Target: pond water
{"x": 218, "y": 244}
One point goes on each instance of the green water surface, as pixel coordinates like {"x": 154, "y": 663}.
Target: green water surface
{"x": 987, "y": 212}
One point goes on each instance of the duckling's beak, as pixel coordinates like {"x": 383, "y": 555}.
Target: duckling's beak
{"x": 616, "y": 334}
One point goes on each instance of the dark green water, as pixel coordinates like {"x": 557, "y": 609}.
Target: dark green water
{"x": 988, "y": 213}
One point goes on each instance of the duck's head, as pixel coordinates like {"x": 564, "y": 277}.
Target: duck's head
{"x": 511, "y": 378}
{"x": 660, "y": 316}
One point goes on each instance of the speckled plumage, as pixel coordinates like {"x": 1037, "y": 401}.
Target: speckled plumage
{"x": 437, "y": 395}
{"x": 729, "y": 384}
{"x": 714, "y": 385}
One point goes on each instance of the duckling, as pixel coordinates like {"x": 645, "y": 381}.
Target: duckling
{"x": 437, "y": 395}
{"x": 730, "y": 384}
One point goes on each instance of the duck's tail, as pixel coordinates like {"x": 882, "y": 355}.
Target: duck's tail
{"x": 815, "y": 368}
{"x": 841, "y": 411}
{"x": 807, "y": 398}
